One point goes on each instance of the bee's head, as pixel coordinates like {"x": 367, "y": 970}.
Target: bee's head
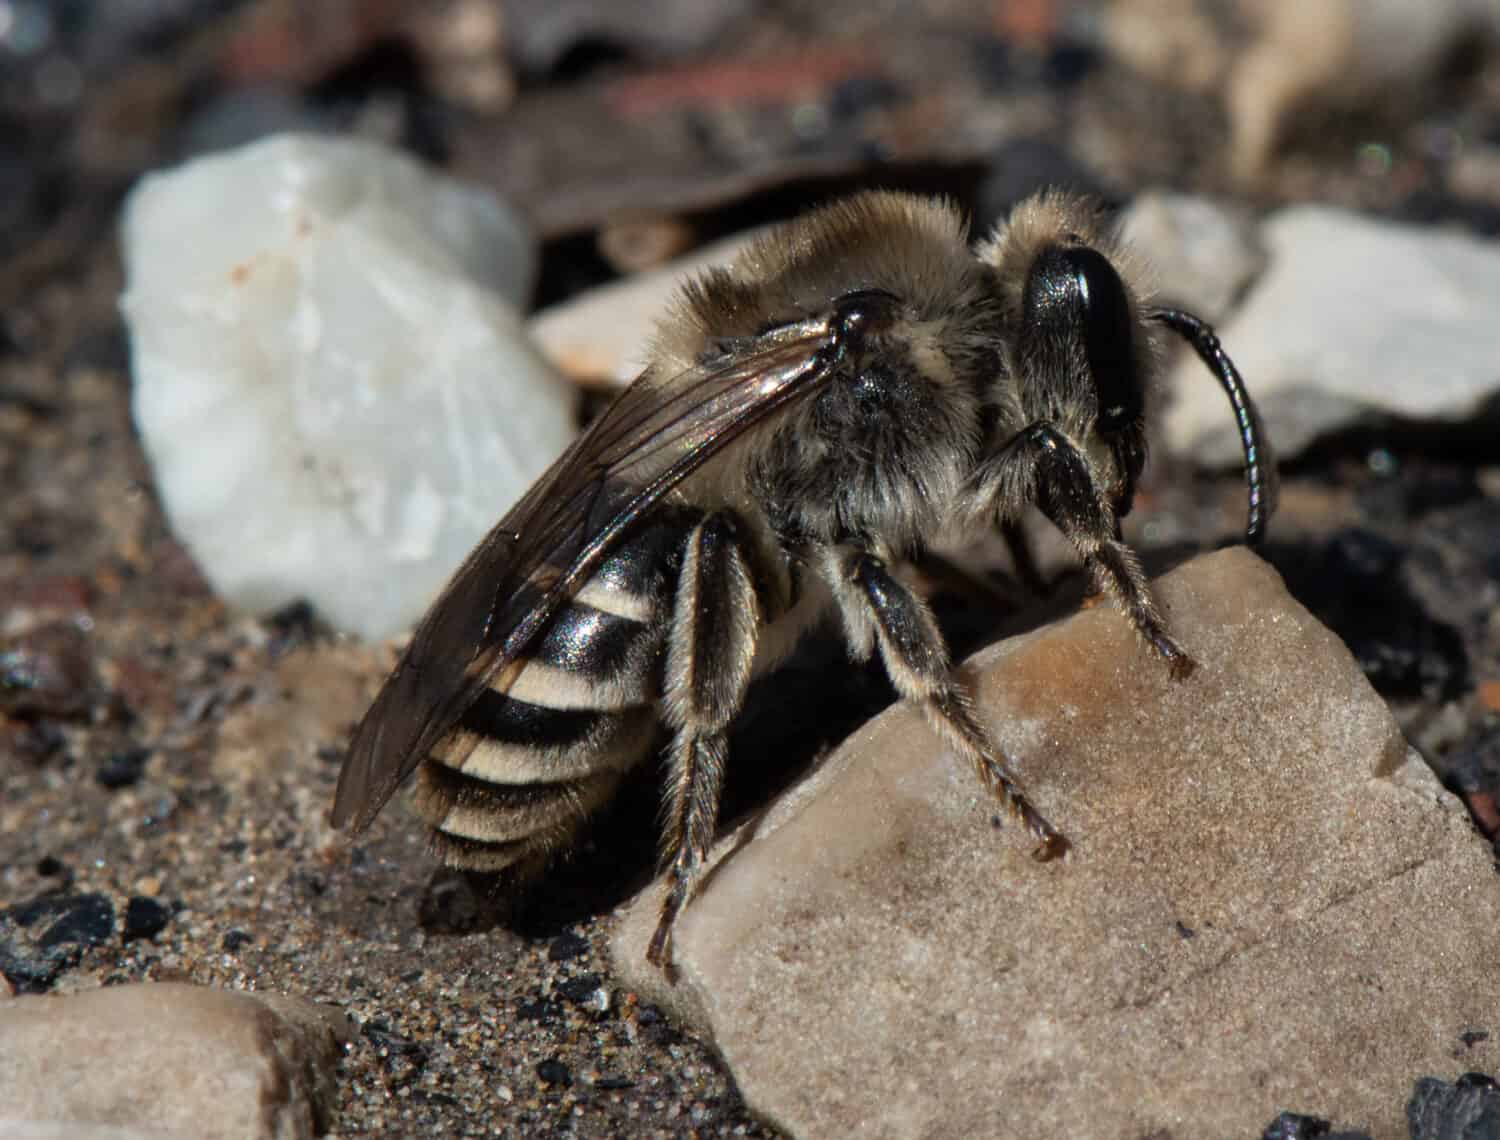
{"x": 1077, "y": 340}
{"x": 1078, "y": 352}
{"x": 1079, "y": 349}
{"x": 1080, "y": 360}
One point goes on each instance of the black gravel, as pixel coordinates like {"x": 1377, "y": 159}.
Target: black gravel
{"x": 235, "y": 940}
{"x": 123, "y": 769}
{"x": 42, "y": 938}
{"x": 144, "y": 918}
{"x": 1295, "y": 1126}
{"x": 1467, "y": 1109}
{"x": 82, "y": 920}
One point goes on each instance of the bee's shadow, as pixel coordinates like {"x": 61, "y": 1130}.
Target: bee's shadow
{"x": 791, "y": 717}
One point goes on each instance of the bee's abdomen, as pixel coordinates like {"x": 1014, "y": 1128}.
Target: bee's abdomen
{"x": 551, "y": 739}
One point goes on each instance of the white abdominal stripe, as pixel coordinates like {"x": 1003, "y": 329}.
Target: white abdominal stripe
{"x": 548, "y": 743}
{"x": 621, "y": 603}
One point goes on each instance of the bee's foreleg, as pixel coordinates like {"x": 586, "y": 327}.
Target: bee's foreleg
{"x": 916, "y": 658}
{"x": 1042, "y": 465}
{"x": 710, "y": 647}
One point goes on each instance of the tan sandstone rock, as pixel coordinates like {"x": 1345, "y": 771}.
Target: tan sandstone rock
{"x": 1271, "y": 904}
{"x": 171, "y": 1061}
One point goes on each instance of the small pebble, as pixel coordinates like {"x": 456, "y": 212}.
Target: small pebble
{"x": 68, "y": 924}
{"x": 1468, "y": 1109}
{"x": 1295, "y": 1126}
{"x": 50, "y": 867}
{"x": 87, "y": 920}
{"x": 567, "y": 945}
{"x": 145, "y": 918}
{"x": 36, "y": 742}
{"x": 123, "y": 769}
{"x": 401, "y": 1055}
{"x": 234, "y": 940}
{"x": 554, "y": 1072}
{"x": 579, "y": 989}
{"x": 48, "y": 672}
{"x": 450, "y": 904}
{"x": 171, "y": 1060}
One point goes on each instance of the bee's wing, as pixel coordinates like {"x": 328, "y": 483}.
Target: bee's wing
{"x": 655, "y": 434}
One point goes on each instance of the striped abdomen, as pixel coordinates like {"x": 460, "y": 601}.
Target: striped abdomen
{"x": 537, "y": 753}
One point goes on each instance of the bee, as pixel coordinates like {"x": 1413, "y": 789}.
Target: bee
{"x": 859, "y": 383}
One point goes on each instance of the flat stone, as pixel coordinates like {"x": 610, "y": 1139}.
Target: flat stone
{"x": 1271, "y": 905}
{"x": 169, "y": 1060}
{"x": 605, "y": 333}
{"x": 1354, "y": 318}
{"x": 41, "y": 1130}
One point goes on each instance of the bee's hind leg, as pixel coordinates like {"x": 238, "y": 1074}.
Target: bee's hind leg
{"x": 710, "y": 647}
{"x": 916, "y": 659}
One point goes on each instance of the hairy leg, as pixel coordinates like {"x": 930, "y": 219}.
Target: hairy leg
{"x": 916, "y": 659}
{"x": 710, "y": 647}
{"x": 1041, "y": 465}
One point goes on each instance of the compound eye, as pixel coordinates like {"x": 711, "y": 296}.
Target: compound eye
{"x": 1078, "y": 287}
{"x": 1108, "y": 337}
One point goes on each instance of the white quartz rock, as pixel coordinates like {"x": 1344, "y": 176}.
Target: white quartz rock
{"x": 1355, "y": 317}
{"x": 332, "y": 380}
{"x": 1202, "y": 254}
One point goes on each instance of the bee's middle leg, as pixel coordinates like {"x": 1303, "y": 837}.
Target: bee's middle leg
{"x": 710, "y": 648}
{"x": 916, "y": 659}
